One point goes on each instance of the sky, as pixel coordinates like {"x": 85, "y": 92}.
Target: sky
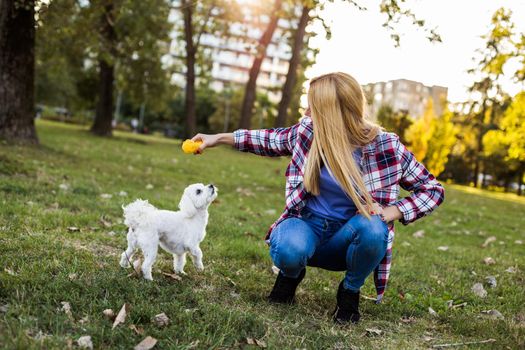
{"x": 361, "y": 47}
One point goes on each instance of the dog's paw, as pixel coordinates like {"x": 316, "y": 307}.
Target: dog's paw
{"x": 181, "y": 272}
{"x": 200, "y": 267}
{"x": 124, "y": 262}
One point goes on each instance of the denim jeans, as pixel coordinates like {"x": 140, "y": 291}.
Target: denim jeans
{"x": 355, "y": 246}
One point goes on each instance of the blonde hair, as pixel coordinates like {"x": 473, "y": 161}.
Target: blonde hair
{"x": 337, "y": 106}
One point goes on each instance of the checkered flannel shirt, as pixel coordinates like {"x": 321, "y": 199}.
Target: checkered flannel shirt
{"x": 386, "y": 165}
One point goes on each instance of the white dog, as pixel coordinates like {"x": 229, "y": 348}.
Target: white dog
{"x": 177, "y": 232}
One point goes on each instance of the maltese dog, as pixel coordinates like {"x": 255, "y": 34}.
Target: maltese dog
{"x": 177, "y": 232}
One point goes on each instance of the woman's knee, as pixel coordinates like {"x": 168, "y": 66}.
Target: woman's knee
{"x": 373, "y": 235}
{"x": 290, "y": 249}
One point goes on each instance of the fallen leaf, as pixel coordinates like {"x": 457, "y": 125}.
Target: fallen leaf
{"x": 138, "y": 330}
{"x": 511, "y": 269}
{"x": 109, "y": 313}
{"x": 112, "y": 233}
{"x": 137, "y": 270}
{"x": 85, "y": 342}
{"x": 244, "y": 191}
{"x": 161, "y": 320}
{"x": 106, "y": 196}
{"x": 250, "y": 341}
{"x": 493, "y": 314}
{"x": 172, "y": 276}
{"x": 443, "y": 248}
{"x": 479, "y": 290}
{"x": 373, "y": 331}
{"x": 419, "y": 234}
{"x": 9, "y": 271}
{"x": 84, "y": 320}
{"x": 260, "y": 343}
{"x": 72, "y": 276}
{"x": 235, "y": 295}
{"x": 121, "y": 317}
{"x": 488, "y": 241}
{"x": 407, "y": 320}
{"x": 432, "y": 312}
{"x": 64, "y": 187}
{"x": 270, "y": 212}
{"x": 491, "y": 281}
{"x": 518, "y": 241}
{"x": 123, "y": 193}
{"x": 275, "y": 270}
{"x": 406, "y": 244}
{"x": 149, "y": 186}
{"x": 489, "y": 261}
{"x": 73, "y": 229}
{"x": 4, "y": 308}
{"x": 146, "y": 344}
{"x": 66, "y": 308}
{"x": 105, "y": 222}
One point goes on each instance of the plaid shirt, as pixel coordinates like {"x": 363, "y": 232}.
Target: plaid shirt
{"x": 386, "y": 165}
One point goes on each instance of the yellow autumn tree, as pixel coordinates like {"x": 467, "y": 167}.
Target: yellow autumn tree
{"x": 419, "y": 133}
{"x": 441, "y": 141}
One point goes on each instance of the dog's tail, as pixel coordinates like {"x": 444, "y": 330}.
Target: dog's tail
{"x": 138, "y": 213}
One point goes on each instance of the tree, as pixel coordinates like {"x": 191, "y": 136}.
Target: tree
{"x": 420, "y": 132}
{"x": 493, "y": 57}
{"x": 251, "y": 85}
{"x": 106, "y": 64}
{"x": 17, "y": 70}
{"x": 442, "y": 139}
{"x": 510, "y": 138}
{"x": 395, "y": 122}
{"x": 291, "y": 76}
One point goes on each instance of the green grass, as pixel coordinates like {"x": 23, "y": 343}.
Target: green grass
{"x": 225, "y": 304}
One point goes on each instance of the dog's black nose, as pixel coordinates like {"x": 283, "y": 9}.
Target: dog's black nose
{"x": 211, "y": 185}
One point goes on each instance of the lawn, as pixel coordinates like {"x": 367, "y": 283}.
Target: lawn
{"x": 61, "y": 235}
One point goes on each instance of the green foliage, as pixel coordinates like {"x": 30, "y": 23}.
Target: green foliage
{"x": 397, "y": 122}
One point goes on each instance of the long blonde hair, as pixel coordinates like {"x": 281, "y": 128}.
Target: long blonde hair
{"x": 337, "y": 105}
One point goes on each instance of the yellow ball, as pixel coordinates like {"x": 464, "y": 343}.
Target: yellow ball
{"x": 190, "y": 146}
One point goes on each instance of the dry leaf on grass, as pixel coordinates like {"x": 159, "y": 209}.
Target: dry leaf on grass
{"x": 85, "y": 342}
{"x": 407, "y": 320}
{"x": 443, "y": 248}
{"x": 511, "y": 269}
{"x": 161, "y": 320}
{"x": 432, "y": 312}
{"x": 518, "y": 241}
{"x": 493, "y": 314}
{"x": 72, "y": 276}
{"x": 172, "y": 276}
{"x": 73, "y": 229}
{"x": 121, "y": 317}
{"x": 491, "y": 281}
{"x": 479, "y": 290}
{"x": 489, "y": 261}
{"x": 138, "y": 330}
{"x": 373, "y": 331}
{"x": 137, "y": 270}
{"x": 106, "y": 196}
{"x": 149, "y": 186}
{"x": 419, "y": 234}
{"x": 4, "y": 308}
{"x": 9, "y": 271}
{"x": 66, "y": 307}
{"x": 488, "y": 241}
{"x": 123, "y": 193}
{"x": 109, "y": 313}
{"x": 105, "y": 222}
{"x": 146, "y": 344}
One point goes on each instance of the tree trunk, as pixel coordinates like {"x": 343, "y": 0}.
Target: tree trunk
{"x": 250, "y": 91}
{"x": 521, "y": 173}
{"x": 191, "y": 118}
{"x": 291, "y": 76}
{"x": 17, "y": 71}
{"x": 479, "y": 146}
{"x": 104, "y": 114}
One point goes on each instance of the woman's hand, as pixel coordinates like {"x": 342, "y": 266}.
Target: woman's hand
{"x": 213, "y": 140}
{"x": 388, "y": 214}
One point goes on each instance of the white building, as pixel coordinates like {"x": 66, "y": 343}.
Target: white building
{"x": 405, "y": 96}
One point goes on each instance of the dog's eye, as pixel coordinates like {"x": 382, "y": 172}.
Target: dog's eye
{"x": 199, "y": 191}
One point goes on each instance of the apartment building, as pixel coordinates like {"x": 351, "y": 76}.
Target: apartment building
{"x": 405, "y": 96}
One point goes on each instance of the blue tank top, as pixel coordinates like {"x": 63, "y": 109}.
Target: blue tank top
{"x": 332, "y": 201}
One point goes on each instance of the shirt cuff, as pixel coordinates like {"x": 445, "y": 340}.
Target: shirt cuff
{"x": 408, "y": 209}
{"x": 239, "y": 139}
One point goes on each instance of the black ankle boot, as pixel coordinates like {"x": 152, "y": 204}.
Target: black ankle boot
{"x": 283, "y": 291}
{"x": 347, "y": 309}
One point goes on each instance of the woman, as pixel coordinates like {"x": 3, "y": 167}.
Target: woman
{"x": 342, "y": 187}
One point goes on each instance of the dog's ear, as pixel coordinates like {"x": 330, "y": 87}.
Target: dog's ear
{"x": 186, "y": 206}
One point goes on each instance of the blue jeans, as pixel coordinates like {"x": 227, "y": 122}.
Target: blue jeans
{"x": 355, "y": 246}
